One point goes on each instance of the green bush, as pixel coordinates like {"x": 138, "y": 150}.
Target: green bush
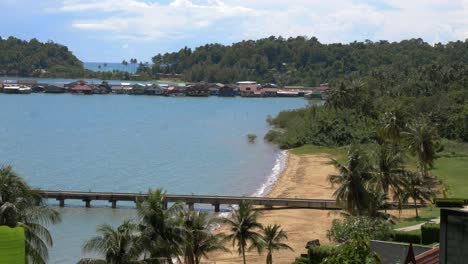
{"x": 316, "y": 254}
{"x": 367, "y": 227}
{"x": 430, "y": 233}
{"x": 408, "y": 237}
{"x": 444, "y": 202}
{"x": 272, "y": 136}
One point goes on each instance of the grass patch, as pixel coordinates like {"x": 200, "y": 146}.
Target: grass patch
{"x": 12, "y": 248}
{"x": 454, "y": 173}
{"x": 338, "y": 153}
{"x": 425, "y": 215}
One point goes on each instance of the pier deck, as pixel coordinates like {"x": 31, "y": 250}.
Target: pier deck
{"x": 190, "y": 200}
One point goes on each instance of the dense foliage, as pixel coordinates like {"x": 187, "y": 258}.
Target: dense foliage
{"x": 21, "y": 206}
{"x": 36, "y": 59}
{"x": 369, "y": 228}
{"x": 306, "y": 61}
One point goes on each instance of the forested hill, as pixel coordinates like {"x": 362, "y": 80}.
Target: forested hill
{"x": 303, "y": 60}
{"x": 33, "y": 58}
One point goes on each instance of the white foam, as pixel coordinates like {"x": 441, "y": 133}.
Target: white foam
{"x": 280, "y": 163}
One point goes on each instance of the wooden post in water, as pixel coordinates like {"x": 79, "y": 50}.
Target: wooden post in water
{"x": 114, "y": 203}
{"x": 87, "y": 203}
{"x": 61, "y": 202}
{"x": 216, "y": 207}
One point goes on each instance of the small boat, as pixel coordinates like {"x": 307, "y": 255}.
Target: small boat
{"x": 25, "y": 90}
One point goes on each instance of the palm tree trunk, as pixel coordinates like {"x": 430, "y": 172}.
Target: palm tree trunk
{"x": 269, "y": 259}
{"x": 243, "y": 254}
{"x": 416, "y": 207}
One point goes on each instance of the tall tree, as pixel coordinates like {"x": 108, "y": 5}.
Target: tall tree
{"x": 161, "y": 234}
{"x": 116, "y": 246}
{"x": 418, "y": 187}
{"x": 243, "y": 225}
{"x": 274, "y": 236}
{"x": 352, "y": 180}
{"x": 20, "y": 206}
{"x": 198, "y": 239}
{"x": 421, "y": 139}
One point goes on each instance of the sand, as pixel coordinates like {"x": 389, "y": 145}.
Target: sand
{"x": 305, "y": 176}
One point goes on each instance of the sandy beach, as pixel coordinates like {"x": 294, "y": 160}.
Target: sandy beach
{"x": 305, "y": 176}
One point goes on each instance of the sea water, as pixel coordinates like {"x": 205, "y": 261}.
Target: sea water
{"x": 124, "y": 143}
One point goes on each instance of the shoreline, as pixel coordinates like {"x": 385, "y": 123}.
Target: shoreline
{"x": 303, "y": 176}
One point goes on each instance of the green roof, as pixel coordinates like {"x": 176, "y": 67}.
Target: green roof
{"x": 12, "y": 248}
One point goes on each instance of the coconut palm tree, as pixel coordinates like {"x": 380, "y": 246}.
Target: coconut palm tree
{"x": 161, "y": 234}
{"x": 198, "y": 240}
{"x": 273, "y": 236}
{"x": 417, "y": 187}
{"x": 242, "y": 225}
{"x": 388, "y": 169}
{"x": 352, "y": 182}
{"x": 394, "y": 125}
{"x": 116, "y": 246}
{"x": 20, "y": 206}
{"x": 421, "y": 139}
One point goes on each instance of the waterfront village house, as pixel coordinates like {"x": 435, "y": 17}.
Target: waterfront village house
{"x": 214, "y": 88}
{"x": 176, "y": 91}
{"x": 138, "y": 89}
{"x": 82, "y": 88}
{"x": 37, "y": 88}
{"x": 103, "y": 88}
{"x": 269, "y": 90}
{"x": 320, "y": 92}
{"x": 198, "y": 89}
{"x": 153, "y": 89}
{"x": 55, "y": 88}
{"x": 227, "y": 90}
{"x": 117, "y": 89}
{"x": 249, "y": 89}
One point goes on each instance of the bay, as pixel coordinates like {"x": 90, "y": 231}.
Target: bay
{"x": 125, "y": 143}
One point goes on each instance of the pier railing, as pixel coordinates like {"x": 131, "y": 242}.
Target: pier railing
{"x": 190, "y": 200}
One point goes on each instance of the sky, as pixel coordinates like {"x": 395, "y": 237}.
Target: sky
{"x": 113, "y": 30}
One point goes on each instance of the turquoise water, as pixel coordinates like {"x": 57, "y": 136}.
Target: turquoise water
{"x": 132, "y": 143}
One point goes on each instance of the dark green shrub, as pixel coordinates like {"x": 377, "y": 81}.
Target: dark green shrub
{"x": 367, "y": 227}
{"x": 430, "y": 233}
{"x": 272, "y": 136}
{"x": 318, "y": 253}
{"x": 408, "y": 237}
{"x": 441, "y": 202}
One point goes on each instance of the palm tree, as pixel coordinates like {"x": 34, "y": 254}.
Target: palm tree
{"x": 242, "y": 226}
{"x": 421, "y": 139}
{"x": 417, "y": 187}
{"x": 161, "y": 234}
{"x": 352, "y": 180}
{"x": 394, "y": 125}
{"x": 117, "y": 246}
{"x": 20, "y": 206}
{"x": 273, "y": 236}
{"x": 198, "y": 240}
{"x": 389, "y": 168}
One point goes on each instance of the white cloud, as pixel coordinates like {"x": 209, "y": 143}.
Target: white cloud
{"x": 329, "y": 21}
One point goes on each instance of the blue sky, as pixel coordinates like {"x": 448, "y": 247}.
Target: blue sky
{"x": 113, "y": 30}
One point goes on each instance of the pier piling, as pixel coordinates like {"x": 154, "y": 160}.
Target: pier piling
{"x": 87, "y": 203}
{"x": 61, "y": 202}
{"x": 114, "y": 203}
{"x": 216, "y": 207}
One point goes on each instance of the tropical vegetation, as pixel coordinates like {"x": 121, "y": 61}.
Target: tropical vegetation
{"x": 21, "y": 206}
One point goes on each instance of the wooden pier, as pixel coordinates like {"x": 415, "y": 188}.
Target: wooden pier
{"x": 190, "y": 200}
